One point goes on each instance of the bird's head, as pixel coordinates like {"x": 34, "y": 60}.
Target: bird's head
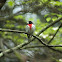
{"x": 30, "y": 22}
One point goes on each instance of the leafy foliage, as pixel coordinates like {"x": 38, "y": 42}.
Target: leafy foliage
{"x": 11, "y": 3}
{"x": 52, "y": 10}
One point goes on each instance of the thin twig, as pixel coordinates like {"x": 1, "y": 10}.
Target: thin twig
{"x": 46, "y": 44}
{"x": 39, "y": 46}
{"x": 9, "y": 30}
{"x": 14, "y": 48}
{"x": 49, "y": 26}
{"x": 22, "y": 45}
{"x": 54, "y": 34}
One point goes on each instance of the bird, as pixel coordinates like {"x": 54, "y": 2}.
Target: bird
{"x": 30, "y": 28}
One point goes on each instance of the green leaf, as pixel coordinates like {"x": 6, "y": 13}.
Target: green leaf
{"x": 18, "y": 17}
{"x": 56, "y": 3}
{"x": 48, "y": 19}
{"x": 53, "y": 2}
{"x": 44, "y": 1}
{"x": 11, "y": 3}
{"x": 54, "y": 18}
{"x": 46, "y": 15}
{"x": 59, "y": 15}
{"x": 10, "y": 25}
{"x": 53, "y": 14}
{"x": 19, "y": 26}
{"x": 60, "y": 9}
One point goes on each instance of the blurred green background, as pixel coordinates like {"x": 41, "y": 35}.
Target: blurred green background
{"x": 14, "y": 15}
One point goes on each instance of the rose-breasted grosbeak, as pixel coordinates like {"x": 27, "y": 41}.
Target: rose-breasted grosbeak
{"x": 30, "y": 28}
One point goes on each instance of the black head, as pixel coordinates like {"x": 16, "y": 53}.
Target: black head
{"x": 30, "y": 22}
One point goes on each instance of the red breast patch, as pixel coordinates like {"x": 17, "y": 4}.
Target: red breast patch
{"x": 30, "y": 25}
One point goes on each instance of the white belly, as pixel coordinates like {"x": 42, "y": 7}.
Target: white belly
{"x": 30, "y": 31}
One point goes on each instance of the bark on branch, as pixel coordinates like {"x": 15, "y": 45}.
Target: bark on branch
{"x": 22, "y": 45}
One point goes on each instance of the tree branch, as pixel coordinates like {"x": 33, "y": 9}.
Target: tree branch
{"x": 12, "y": 49}
{"x": 39, "y": 46}
{"x": 2, "y": 2}
{"x": 9, "y": 30}
{"x": 46, "y": 44}
{"x": 49, "y": 25}
{"x": 55, "y": 34}
{"x": 22, "y": 45}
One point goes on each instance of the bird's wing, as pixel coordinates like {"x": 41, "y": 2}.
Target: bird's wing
{"x": 27, "y": 28}
{"x": 33, "y": 27}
